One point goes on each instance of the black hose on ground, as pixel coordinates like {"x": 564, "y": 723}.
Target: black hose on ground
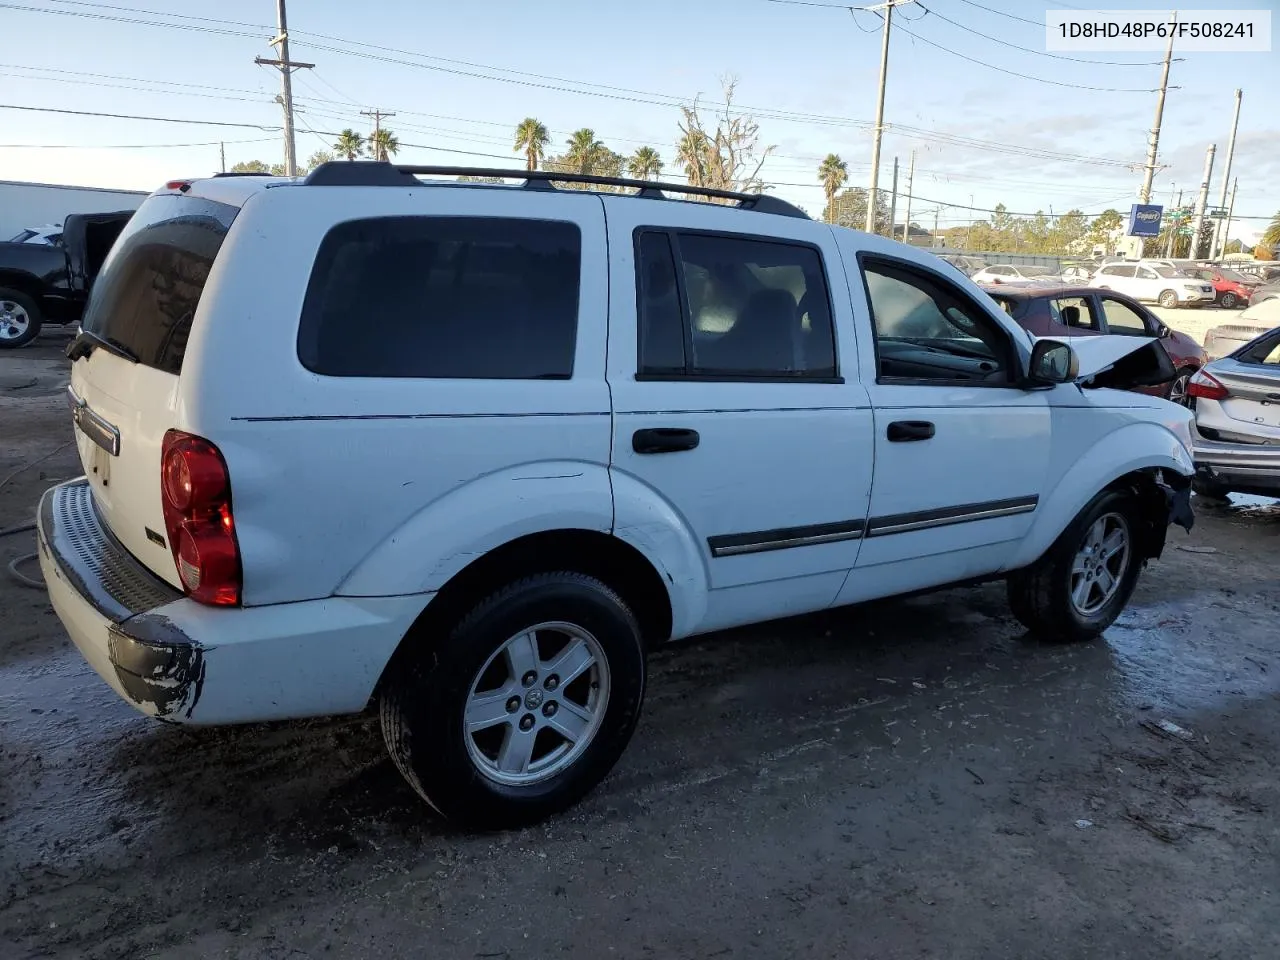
{"x": 21, "y": 577}
{"x": 22, "y": 529}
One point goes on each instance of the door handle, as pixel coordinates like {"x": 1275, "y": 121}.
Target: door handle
{"x": 664, "y": 440}
{"x": 904, "y": 431}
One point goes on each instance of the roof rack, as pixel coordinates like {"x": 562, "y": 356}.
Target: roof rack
{"x": 375, "y": 173}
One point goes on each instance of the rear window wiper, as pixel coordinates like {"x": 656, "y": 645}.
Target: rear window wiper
{"x": 87, "y": 341}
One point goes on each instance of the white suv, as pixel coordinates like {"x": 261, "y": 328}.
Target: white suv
{"x": 1154, "y": 282}
{"x": 465, "y": 451}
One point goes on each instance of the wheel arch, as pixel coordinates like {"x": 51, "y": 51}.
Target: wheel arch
{"x": 1135, "y": 458}
{"x": 616, "y": 563}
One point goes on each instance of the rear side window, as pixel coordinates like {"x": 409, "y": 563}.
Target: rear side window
{"x": 732, "y": 307}
{"x": 444, "y": 297}
{"x": 146, "y": 294}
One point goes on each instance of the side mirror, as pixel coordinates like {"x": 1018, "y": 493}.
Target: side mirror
{"x": 1053, "y": 362}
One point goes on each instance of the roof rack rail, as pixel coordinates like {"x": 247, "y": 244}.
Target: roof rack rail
{"x": 244, "y": 173}
{"x": 374, "y": 173}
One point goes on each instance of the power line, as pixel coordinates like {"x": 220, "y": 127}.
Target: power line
{"x": 130, "y": 116}
{"x": 124, "y": 146}
{"x": 1001, "y": 13}
{"x": 1040, "y": 53}
{"x": 1026, "y": 76}
{"x": 602, "y": 90}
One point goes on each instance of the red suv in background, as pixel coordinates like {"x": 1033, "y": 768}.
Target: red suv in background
{"x": 1233, "y": 289}
{"x": 1068, "y": 311}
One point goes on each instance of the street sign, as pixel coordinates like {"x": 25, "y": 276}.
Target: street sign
{"x": 1144, "y": 220}
{"x": 1217, "y": 213}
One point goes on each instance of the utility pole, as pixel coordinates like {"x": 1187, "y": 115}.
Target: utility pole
{"x": 1153, "y": 143}
{"x": 1226, "y": 175}
{"x": 936, "y": 211}
{"x": 879, "y": 128}
{"x": 911, "y": 177}
{"x": 1174, "y": 227}
{"x": 222, "y": 153}
{"x": 286, "y": 68}
{"x": 1202, "y": 201}
{"x": 893, "y": 199}
{"x": 1231, "y": 209}
{"x": 377, "y": 130}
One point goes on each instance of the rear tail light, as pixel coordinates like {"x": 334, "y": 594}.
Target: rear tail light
{"x": 1207, "y": 387}
{"x": 196, "y": 490}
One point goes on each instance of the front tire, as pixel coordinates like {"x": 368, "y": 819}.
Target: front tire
{"x": 1078, "y": 588}
{"x": 524, "y": 707}
{"x": 1167, "y": 299}
{"x": 1228, "y": 301}
{"x": 19, "y": 319}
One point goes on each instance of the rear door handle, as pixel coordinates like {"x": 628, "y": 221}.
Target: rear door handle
{"x": 664, "y": 440}
{"x": 904, "y": 431}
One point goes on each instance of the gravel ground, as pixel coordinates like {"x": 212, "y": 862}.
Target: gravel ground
{"x": 906, "y": 779}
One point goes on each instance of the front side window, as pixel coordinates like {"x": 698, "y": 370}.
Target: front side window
{"x": 927, "y": 330}
{"x": 1145, "y": 274}
{"x": 711, "y": 305}
{"x": 1074, "y": 312}
{"x": 1123, "y": 319}
{"x": 1118, "y": 271}
{"x": 444, "y": 297}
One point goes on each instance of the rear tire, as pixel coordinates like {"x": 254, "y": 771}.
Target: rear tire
{"x": 491, "y": 771}
{"x": 1167, "y": 299}
{"x": 1060, "y": 597}
{"x": 19, "y": 319}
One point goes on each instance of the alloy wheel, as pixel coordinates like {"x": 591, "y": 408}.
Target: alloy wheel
{"x": 14, "y": 320}
{"x": 536, "y": 704}
{"x": 1100, "y": 564}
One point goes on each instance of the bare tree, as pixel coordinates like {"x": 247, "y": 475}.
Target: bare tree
{"x": 728, "y": 157}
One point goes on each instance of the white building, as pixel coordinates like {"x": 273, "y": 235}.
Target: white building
{"x": 25, "y": 205}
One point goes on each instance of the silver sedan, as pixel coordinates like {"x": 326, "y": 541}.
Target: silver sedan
{"x": 1237, "y": 406}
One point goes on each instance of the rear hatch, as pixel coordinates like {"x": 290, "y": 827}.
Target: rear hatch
{"x": 127, "y": 359}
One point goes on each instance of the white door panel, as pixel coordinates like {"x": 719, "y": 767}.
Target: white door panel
{"x": 776, "y": 488}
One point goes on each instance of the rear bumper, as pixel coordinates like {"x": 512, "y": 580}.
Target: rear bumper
{"x": 1240, "y": 467}
{"x": 184, "y": 662}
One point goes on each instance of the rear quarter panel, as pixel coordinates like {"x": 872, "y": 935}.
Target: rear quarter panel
{"x": 385, "y": 484}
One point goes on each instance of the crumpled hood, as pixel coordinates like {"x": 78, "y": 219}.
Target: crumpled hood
{"x": 1120, "y": 362}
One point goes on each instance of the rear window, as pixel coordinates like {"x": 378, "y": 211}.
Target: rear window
{"x": 146, "y": 295}
{"x": 444, "y": 297}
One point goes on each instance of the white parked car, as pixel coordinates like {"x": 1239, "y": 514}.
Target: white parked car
{"x": 467, "y": 451}
{"x": 1157, "y": 283}
{"x": 1015, "y": 274}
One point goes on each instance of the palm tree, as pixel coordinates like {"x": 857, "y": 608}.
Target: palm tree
{"x": 1271, "y": 236}
{"x": 834, "y": 174}
{"x": 383, "y": 145}
{"x": 532, "y": 138}
{"x": 645, "y": 164}
{"x": 349, "y": 144}
{"x": 584, "y": 151}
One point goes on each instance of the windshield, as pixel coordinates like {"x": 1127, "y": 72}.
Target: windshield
{"x": 1232, "y": 275}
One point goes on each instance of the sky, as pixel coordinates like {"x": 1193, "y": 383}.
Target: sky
{"x": 460, "y": 75}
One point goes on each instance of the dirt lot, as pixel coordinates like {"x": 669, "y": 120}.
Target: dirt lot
{"x": 905, "y": 779}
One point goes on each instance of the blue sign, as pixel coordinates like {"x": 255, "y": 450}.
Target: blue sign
{"x": 1144, "y": 220}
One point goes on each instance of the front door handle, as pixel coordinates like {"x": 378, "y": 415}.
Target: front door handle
{"x": 664, "y": 440}
{"x": 904, "y": 431}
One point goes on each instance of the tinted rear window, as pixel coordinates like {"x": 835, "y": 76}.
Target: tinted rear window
{"x": 146, "y": 295}
{"x": 444, "y": 297}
